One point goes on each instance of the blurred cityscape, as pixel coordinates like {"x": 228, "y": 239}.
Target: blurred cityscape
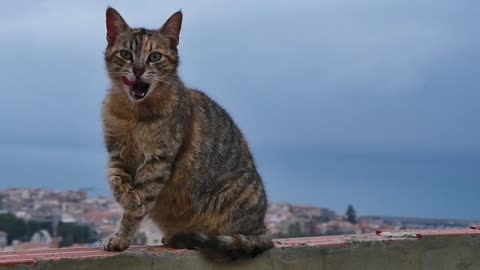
{"x": 40, "y": 218}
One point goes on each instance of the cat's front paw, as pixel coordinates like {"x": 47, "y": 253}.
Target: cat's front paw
{"x": 114, "y": 242}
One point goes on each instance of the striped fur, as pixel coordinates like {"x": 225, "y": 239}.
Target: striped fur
{"x": 223, "y": 247}
{"x": 176, "y": 155}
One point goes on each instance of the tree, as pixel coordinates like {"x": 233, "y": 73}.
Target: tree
{"x": 294, "y": 230}
{"x": 351, "y": 214}
{"x": 19, "y": 229}
{"x": 73, "y": 233}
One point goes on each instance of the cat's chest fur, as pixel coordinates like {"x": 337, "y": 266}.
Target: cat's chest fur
{"x": 139, "y": 142}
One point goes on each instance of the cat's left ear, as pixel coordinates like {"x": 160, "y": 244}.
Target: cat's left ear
{"x": 115, "y": 24}
{"x": 171, "y": 29}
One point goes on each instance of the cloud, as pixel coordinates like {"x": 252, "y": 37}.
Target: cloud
{"x": 315, "y": 71}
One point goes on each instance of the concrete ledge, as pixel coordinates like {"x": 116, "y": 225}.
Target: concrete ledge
{"x": 419, "y": 249}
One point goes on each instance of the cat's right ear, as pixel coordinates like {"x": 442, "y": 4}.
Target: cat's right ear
{"x": 115, "y": 24}
{"x": 171, "y": 28}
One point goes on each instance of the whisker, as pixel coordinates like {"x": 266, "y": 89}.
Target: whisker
{"x": 170, "y": 78}
{"x": 114, "y": 73}
{"x": 172, "y": 84}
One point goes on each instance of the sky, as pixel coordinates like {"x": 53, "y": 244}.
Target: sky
{"x": 369, "y": 102}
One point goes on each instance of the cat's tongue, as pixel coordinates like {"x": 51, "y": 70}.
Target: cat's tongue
{"x": 126, "y": 81}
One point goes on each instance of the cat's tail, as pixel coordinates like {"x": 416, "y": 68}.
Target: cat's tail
{"x": 223, "y": 247}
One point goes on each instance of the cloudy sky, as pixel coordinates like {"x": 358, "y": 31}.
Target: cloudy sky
{"x": 384, "y": 90}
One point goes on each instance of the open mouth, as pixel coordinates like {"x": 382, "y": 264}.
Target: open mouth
{"x": 138, "y": 88}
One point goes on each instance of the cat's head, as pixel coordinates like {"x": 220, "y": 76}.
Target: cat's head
{"x": 138, "y": 59}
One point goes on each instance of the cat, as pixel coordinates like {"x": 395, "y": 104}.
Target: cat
{"x": 174, "y": 153}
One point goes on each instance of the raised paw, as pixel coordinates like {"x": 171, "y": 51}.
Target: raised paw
{"x": 114, "y": 242}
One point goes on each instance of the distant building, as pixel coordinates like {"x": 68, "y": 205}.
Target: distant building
{"x": 3, "y": 239}
{"x": 293, "y": 220}
{"x": 42, "y": 236}
{"x": 312, "y": 213}
{"x": 150, "y": 232}
{"x": 336, "y": 227}
{"x": 67, "y": 218}
{"x": 293, "y": 227}
{"x": 76, "y": 195}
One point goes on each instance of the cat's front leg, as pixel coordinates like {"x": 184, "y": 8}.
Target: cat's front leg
{"x": 121, "y": 239}
{"x": 133, "y": 208}
{"x": 150, "y": 180}
{"x": 121, "y": 185}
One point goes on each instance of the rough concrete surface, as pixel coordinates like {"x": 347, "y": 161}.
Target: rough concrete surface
{"x": 431, "y": 252}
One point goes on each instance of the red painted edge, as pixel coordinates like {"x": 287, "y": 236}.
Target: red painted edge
{"x": 33, "y": 257}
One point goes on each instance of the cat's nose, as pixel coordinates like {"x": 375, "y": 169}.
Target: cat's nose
{"x": 138, "y": 72}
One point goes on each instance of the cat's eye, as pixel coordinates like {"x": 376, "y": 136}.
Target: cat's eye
{"x": 126, "y": 55}
{"x": 154, "y": 57}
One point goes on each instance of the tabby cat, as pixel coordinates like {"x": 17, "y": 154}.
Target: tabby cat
{"x": 174, "y": 153}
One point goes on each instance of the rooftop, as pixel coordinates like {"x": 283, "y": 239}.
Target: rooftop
{"x": 419, "y": 249}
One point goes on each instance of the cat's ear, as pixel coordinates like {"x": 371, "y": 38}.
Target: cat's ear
{"x": 171, "y": 28}
{"x": 115, "y": 24}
